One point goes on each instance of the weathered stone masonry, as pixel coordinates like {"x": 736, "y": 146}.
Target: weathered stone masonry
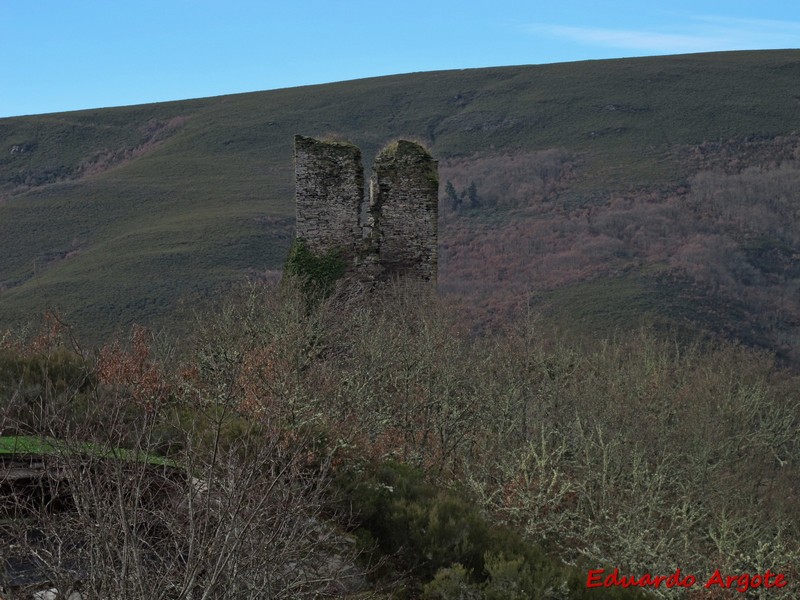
{"x": 329, "y": 193}
{"x": 391, "y": 234}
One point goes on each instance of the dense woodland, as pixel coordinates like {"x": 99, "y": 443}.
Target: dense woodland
{"x": 719, "y": 252}
{"x": 380, "y": 435}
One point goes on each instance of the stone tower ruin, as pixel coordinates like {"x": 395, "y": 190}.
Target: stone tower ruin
{"x": 392, "y": 232}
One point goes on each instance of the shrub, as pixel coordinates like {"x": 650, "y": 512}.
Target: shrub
{"x": 442, "y": 538}
{"x": 318, "y": 273}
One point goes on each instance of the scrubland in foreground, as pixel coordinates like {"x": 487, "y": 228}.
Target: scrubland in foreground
{"x": 374, "y": 441}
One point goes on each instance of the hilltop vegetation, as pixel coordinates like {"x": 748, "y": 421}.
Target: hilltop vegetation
{"x": 602, "y": 193}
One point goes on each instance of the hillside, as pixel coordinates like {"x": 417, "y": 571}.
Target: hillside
{"x": 606, "y": 193}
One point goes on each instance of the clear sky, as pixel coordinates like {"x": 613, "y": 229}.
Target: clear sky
{"x": 58, "y": 55}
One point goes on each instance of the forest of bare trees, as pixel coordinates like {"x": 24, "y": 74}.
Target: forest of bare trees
{"x": 727, "y": 238}
{"x": 636, "y": 453}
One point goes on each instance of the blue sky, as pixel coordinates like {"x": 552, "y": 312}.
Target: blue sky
{"x": 62, "y": 55}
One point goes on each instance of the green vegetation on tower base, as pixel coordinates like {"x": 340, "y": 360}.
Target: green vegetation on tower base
{"x": 318, "y": 273}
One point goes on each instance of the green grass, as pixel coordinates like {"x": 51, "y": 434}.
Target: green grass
{"x": 190, "y": 209}
{"x": 23, "y": 445}
{"x": 619, "y": 304}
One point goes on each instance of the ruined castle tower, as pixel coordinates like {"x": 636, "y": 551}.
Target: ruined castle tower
{"x": 329, "y": 191}
{"x": 398, "y": 237}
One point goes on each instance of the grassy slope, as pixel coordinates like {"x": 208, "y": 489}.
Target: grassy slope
{"x": 204, "y": 201}
{"x": 43, "y": 446}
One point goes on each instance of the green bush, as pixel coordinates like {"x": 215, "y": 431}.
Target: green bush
{"x": 41, "y": 389}
{"x": 318, "y": 273}
{"x": 60, "y": 369}
{"x": 452, "y": 583}
{"x": 443, "y": 540}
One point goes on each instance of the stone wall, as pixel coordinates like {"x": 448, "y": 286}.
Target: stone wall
{"x": 400, "y": 234}
{"x": 329, "y": 192}
{"x": 404, "y": 200}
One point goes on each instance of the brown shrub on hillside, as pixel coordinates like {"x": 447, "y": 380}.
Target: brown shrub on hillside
{"x": 727, "y": 240}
